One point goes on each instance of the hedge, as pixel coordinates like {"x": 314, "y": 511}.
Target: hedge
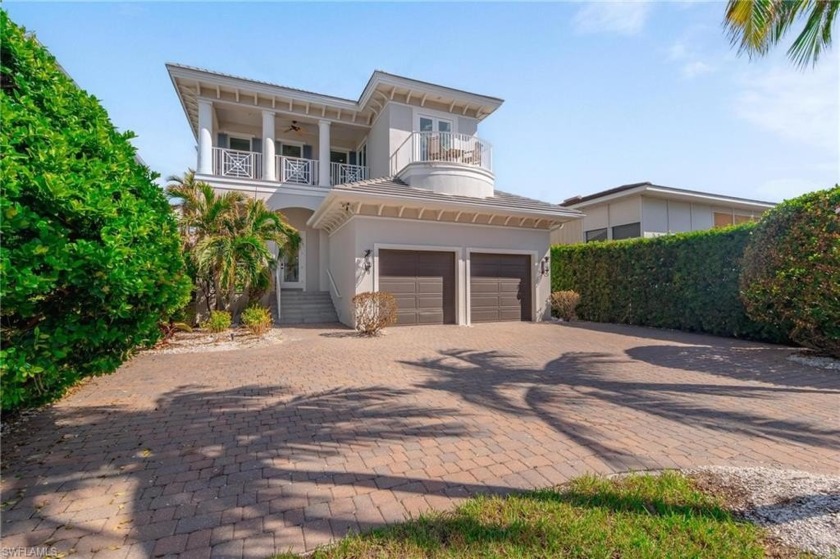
{"x": 791, "y": 275}
{"x": 687, "y": 281}
{"x": 90, "y": 260}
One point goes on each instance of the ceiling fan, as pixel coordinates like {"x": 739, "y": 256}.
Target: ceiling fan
{"x": 294, "y": 128}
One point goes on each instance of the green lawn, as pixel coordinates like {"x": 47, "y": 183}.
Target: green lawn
{"x": 636, "y": 516}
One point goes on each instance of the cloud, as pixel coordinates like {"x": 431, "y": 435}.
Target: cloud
{"x": 696, "y": 68}
{"x": 622, "y": 18}
{"x": 801, "y": 106}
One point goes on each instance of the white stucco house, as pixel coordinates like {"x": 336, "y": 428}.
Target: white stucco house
{"x": 650, "y": 210}
{"x": 392, "y": 191}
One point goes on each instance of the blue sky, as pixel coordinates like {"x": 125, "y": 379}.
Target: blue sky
{"x": 596, "y": 94}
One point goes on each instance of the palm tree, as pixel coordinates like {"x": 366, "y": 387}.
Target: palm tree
{"x": 757, "y": 25}
{"x": 226, "y": 239}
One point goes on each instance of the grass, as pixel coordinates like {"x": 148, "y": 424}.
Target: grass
{"x": 636, "y": 516}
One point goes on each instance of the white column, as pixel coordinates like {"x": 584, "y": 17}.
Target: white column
{"x": 269, "y": 167}
{"x": 205, "y": 137}
{"x": 324, "y": 153}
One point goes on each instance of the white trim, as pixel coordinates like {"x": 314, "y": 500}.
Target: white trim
{"x": 535, "y": 275}
{"x": 433, "y": 223}
{"x": 460, "y": 317}
{"x": 301, "y": 283}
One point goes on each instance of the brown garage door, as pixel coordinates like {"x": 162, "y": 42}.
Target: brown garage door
{"x": 500, "y": 287}
{"x": 423, "y": 283}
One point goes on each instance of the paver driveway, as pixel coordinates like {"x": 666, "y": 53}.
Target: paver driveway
{"x": 246, "y": 452}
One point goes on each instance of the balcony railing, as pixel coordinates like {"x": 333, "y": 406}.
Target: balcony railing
{"x": 341, "y": 173}
{"x": 297, "y": 170}
{"x": 238, "y": 164}
{"x": 447, "y": 147}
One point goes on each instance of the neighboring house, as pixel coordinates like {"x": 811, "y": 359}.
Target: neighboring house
{"x": 649, "y": 210}
{"x": 393, "y": 191}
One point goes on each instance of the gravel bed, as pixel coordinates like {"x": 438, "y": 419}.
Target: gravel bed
{"x": 816, "y": 361}
{"x": 200, "y": 341}
{"x": 801, "y": 509}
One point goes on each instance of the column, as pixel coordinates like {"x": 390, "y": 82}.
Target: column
{"x": 269, "y": 168}
{"x": 324, "y": 153}
{"x": 205, "y": 137}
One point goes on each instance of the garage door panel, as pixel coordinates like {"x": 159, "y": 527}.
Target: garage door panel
{"x": 425, "y": 284}
{"x": 500, "y": 287}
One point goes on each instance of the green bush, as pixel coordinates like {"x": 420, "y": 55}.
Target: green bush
{"x": 256, "y": 319}
{"x": 90, "y": 260}
{"x": 218, "y": 321}
{"x": 687, "y": 281}
{"x": 791, "y": 275}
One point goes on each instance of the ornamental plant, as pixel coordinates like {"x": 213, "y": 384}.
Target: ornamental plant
{"x": 257, "y": 319}
{"x": 791, "y": 270}
{"x": 564, "y": 303}
{"x": 373, "y": 311}
{"x": 217, "y": 322}
{"x": 90, "y": 261}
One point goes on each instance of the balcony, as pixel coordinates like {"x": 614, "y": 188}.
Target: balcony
{"x": 446, "y": 162}
{"x": 291, "y": 170}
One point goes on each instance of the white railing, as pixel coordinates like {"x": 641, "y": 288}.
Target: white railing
{"x": 235, "y": 163}
{"x": 341, "y": 173}
{"x": 446, "y": 147}
{"x": 333, "y": 285}
{"x": 297, "y": 170}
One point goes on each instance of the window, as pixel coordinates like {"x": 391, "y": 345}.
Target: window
{"x": 429, "y": 124}
{"x": 239, "y": 144}
{"x": 338, "y": 156}
{"x": 744, "y": 219}
{"x": 291, "y": 150}
{"x": 628, "y": 231}
{"x": 596, "y": 235}
{"x": 723, "y": 220}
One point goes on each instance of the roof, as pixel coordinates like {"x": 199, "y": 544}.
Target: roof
{"x": 639, "y": 187}
{"x": 395, "y": 188}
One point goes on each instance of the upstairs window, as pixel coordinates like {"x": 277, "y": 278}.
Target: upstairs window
{"x": 429, "y": 124}
{"x": 239, "y": 144}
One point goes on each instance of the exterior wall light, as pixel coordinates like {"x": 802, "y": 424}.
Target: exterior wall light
{"x": 367, "y": 263}
{"x": 544, "y": 266}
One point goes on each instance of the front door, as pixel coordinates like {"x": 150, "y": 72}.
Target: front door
{"x": 294, "y": 267}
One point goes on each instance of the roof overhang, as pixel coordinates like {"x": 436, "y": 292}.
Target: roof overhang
{"x": 655, "y": 191}
{"x": 192, "y": 84}
{"x": 337, "y": 198}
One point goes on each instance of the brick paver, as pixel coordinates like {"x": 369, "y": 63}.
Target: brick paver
{"x": 247, "y": 453}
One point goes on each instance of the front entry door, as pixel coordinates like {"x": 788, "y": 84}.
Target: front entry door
{"x": 294, "y": 267}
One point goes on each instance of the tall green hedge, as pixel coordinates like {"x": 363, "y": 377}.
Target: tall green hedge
{"x": 90, "y": 258}
{"x": 791, "y": 274}
{"x": 687, "y": 281}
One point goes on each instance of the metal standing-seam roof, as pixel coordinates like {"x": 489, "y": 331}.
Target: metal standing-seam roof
{"x": 394, "y": 187}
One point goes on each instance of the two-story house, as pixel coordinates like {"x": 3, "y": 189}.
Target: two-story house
{"x": 392, "y": 191}
{"x": 651, "y": 210}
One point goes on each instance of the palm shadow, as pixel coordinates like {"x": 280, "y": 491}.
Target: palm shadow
{"x": 557, "y": 392}
{"x": 250, "y": 463}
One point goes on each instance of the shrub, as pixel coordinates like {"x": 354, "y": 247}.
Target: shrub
{"x": 687, "y": 281}
{"x": 374, "y": 311}
{"x": 257, "y": 319}
{"x": 791, "y": 274}
{"x": 564, "y": 303}
{"x": 218, "y": 321}
{"x": 90, "y": 260}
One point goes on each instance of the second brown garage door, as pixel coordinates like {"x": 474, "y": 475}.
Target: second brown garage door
{"x": 423, "y": 283}
{"x": 500, "y": 287}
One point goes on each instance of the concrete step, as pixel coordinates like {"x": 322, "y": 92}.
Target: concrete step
{"x": 304, "y": 307}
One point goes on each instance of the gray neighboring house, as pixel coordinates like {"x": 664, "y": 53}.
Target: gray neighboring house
{"x": 650, "y": 210}
{"x": 392, "y": 191}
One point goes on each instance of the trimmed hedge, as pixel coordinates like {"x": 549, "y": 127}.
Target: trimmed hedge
{"x": 791, "y": 275}
{"x": 90, "y": 260}
{"x": 687, "y": 281}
